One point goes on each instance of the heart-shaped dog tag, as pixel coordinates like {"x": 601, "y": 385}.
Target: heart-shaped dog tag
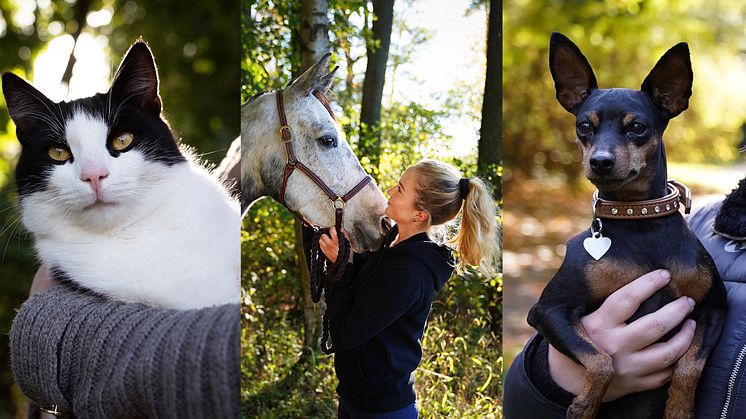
{"x": 597, "y": 246}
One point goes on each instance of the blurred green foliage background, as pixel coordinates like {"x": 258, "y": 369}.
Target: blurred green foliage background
{"x": 459, "y": 375}
{"x": 197, "y": 50}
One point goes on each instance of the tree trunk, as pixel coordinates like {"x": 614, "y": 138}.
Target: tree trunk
{"x": 375, "y": 75}
{"x": 80, "y": 12}
{"x": 490, "y": 142}
{"x": 314, "y": 31}
{"x": 314, "y": 43}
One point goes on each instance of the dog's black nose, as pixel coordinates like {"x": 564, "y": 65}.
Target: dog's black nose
{"x": 602, "y": 162}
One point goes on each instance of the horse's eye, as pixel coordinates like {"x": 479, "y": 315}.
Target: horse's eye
{"x": 328, "y": 141}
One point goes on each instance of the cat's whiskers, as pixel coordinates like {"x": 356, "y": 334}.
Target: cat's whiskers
{"x": 55, "y": 126}
{"x": 113, "y": 119}
{"x": 9, "y": 206}
{"x": 201, "y": 155}
{"x": 15, "y": 224}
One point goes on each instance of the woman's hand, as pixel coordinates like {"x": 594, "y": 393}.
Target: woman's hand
{"x": 42, "y": 281}
{"x": 639, "y": 362}
{"x": 329, "y": 244}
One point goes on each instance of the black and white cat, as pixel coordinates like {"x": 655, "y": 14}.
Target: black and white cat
{"x": 112, "y": 202}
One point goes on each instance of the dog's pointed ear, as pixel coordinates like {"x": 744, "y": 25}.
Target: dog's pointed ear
{"x": 26, "y": 105}
{"x": 317, "y": 77}
{"x": 669, "y": 83}
{"x": 136, "y": 79}
{"x": 573, "y": 76}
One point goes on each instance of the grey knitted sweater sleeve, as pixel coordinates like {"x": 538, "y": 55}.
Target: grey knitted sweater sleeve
{"x": 99, "y": 358}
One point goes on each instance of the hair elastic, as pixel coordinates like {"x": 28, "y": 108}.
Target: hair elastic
{"x": 463, "y": 187}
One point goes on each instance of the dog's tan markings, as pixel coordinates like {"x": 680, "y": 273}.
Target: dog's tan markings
{"x": 628, "y": 119}
{"x": 599, "y": 372}
{"x": 686, "y": 373}
{"x": 636, "y": 159}
{"x": 594, "y": 118}
{"x": 691, "y": 280}
{"x": 583, "y": 149}
{"x": 608, "y": 275}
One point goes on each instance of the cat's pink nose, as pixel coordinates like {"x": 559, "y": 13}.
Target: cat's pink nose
{"x": 94, "y": 177}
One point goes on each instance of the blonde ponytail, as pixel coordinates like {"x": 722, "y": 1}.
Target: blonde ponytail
{"x": 477, "y": 239}
{"x": 439, "y": 193}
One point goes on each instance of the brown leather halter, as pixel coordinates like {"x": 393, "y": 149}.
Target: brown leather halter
{"x": 338, "y": 201}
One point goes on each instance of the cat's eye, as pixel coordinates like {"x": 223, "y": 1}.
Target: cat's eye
{"x": 59, "y": 153}
{"x": 122, "y": 141}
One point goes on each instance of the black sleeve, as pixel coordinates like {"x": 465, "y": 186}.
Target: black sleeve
{"x": 530, "y": 393}
{"x": 99, "y": 358}
{"x": 354, "y": 322}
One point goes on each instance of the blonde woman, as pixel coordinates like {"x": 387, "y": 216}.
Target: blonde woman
{"x": 377, "y": 311}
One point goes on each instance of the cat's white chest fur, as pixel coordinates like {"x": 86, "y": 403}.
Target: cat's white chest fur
{"x": 177, "y": 245}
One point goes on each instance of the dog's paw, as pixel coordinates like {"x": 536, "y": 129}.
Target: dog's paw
{"x": 581, "y": 410}
{"x": 678, "y": 413}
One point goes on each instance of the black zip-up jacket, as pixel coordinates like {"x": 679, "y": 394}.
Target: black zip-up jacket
{"x": 377, "y": 314}
{"x": 531, "y": 393}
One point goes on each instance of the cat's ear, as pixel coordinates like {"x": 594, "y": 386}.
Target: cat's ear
{"x": 136, "y": 79}
{"x": 26, "y": 105}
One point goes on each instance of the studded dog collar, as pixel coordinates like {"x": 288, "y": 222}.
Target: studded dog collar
{"x": 678, "y": 194}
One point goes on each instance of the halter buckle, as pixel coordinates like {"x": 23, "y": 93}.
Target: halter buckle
{"x": 340, "y": 200}
{"x": 283, "y": 129}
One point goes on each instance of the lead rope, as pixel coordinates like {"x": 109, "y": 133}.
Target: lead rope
{"x": 323, "y": 274}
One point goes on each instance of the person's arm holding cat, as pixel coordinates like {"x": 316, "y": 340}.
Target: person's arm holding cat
{"x": 102, "y": 358}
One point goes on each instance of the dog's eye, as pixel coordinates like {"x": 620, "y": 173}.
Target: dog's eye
{"x": 328, "y": 141}
{"x": 637, "y": 128}
{"x": 585, "y": 128}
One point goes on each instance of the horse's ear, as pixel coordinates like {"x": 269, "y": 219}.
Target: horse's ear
{"x": 326, "y": 82}
{"x": 315, "y": 78}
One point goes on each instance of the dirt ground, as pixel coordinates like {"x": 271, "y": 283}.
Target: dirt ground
{"x": 540, "y": 215}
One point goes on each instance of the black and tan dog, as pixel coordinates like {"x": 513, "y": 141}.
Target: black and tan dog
{"x": 637, "y": 228}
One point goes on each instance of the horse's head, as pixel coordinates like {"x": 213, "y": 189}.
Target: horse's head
{"x": 318, "y": 143}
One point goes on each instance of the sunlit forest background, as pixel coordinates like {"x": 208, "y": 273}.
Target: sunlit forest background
{"x": 69, "y": 49}
{"x": 284, "y": 373}
{"x": 547, "y": 198}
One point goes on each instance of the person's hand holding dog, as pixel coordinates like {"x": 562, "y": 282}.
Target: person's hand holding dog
{"x": 329, "y": 244}
{"x": 639, "y": 362}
